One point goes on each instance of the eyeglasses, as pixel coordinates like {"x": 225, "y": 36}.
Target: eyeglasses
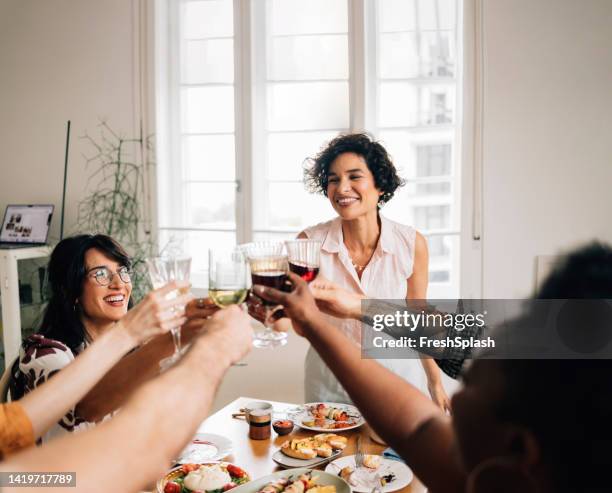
{"x": 104, "y": 276}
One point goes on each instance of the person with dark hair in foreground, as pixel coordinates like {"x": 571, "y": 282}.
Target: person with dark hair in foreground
{"x": 366, "y": 253}
{"x": 517, "y": 425}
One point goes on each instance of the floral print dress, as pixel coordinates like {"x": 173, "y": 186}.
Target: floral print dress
{"x": 39, "y": 359}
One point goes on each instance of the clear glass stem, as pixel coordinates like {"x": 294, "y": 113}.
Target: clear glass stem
{"x": 176, "y": 338}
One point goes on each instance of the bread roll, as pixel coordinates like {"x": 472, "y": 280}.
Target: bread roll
{"x": 298, "y": 449}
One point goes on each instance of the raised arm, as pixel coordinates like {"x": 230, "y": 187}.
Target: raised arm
{"x": 151, "y": 317}
{"x": 136, "y": 368}
{"x": 417, "y": 290}
{"x": 407, "y": 420}
{"x": 155, "y": 423}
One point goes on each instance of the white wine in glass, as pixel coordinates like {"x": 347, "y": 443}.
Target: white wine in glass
{"x": 227, "y": 277}
{"x": 163, "y": 270}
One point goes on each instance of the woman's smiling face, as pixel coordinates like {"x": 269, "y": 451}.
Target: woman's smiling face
{"x": 103, "y": 304}
{"x": 351, "y": 188}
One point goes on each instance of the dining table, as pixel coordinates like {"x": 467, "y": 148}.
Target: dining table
{"x": 255, "y": 456}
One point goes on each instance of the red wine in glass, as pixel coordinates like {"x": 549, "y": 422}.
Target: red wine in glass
{"x": 306, "y": 272}
{"x": 276, "y": 279}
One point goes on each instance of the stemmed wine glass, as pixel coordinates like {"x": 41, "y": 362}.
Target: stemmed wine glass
{"x": 163, "y": 270}
{"x": 304, "y": 257}
{"x": 268, "y": 264}
{"x": 228, "y": 281}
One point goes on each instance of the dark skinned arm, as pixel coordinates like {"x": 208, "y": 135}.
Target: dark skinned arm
{"x": 408, "y": 421}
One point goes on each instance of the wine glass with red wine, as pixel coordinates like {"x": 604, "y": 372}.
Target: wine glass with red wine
{"x": 304, "y": 258}
{"x": 268, "y": 264}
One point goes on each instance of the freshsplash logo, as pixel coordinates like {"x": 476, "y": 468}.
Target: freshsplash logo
{"x": 498, "y": 329}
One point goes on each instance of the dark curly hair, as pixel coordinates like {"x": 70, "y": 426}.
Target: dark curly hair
{"x": 316, "y": 171}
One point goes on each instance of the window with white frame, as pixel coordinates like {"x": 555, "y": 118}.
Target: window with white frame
{"x": 251, "y": 88}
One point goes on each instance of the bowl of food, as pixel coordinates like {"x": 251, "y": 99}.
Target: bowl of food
{"x": 283, "y": 426}
{"x": 212, "y": 477}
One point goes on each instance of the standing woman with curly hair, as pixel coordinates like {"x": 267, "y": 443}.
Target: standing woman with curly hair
{"x": 365, "y": 252}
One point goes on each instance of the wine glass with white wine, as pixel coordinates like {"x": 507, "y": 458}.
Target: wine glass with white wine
{"x": 163, "y": 270}
{"x": 227, "y": 277}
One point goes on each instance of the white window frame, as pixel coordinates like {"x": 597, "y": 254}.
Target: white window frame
{"x": 362, "y": 100}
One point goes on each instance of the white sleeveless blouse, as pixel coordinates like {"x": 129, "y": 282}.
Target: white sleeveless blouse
{"x": 385, "y": 277}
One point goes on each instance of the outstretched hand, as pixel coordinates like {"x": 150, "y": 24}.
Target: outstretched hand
{"x": 299, "y": 305}
{"x": 156, "y": 314}
{"x": 335, "y": 300}
{"x": 230, "y": 332}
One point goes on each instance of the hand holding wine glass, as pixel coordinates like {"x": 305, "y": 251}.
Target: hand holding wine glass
{"x": 166, "y": 269}
{"x": 268, "y": 263}
{"x": 304, "y": 257}
{"x": 156, "y": 313}
{"x": 227, "y": 277}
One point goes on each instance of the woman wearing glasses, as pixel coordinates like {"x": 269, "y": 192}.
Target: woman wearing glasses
{"x": 89, "y": 277}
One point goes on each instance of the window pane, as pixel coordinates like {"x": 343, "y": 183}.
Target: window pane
{"x": 196, "y": 245}
{"x": 437, "y": 54}
{"x": 430, "y": 217}
{"x": 208, "y": 109}
{"x": 438, "y": 246}
{"x": 433, "y": 160}
{"x": 291, "y": 207}
{"x": 208, "y": 61}
{"x": 207, "y": 19}
{"x": 448, "y": 14}
{"x": 308, "y": 57}
{"x": 427, "y": 17}
{"x": 437, "y": 14}
{"x": 311, "y": 17}
{"x": 439, "y": 276}
{"x": 398, "y": 105}
{"x": 406, "y": 104}
{"x": 211, "y": 205}
{"x": 443, "y": 266}
{"x": 399, "y": 56}
{"x": 287, "y": 153}
{"x": 397, "y": 15}
{"x": 434, "y": 188}
{"x": 407, "y": 55}
{"x": 403, "y": 146}
{"x": 209, "y": 157}
{"x": 308, "y": 106}
{"x": 424, "y": 211}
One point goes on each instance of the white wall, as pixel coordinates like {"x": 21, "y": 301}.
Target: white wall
{"x": 60, "y": 60}
{"x": 547, "y": 134}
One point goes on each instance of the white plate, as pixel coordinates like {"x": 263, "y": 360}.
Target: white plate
{"x": 304, "y": 415}
{"x": 324, "y": 479}
{"x": 205, "y": 447}
{"x": 286, "y": 461}
{"x": 176, "y": 472}
{"x": 365, "y": 479}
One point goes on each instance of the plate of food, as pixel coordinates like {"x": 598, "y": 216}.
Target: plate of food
{"x": 210, "y": 477}
{"x": 205, "y": 447}
{"x": 310, "y": 451}
{"x": 389, "y": 475}
{"x": 300, "y": 480}
{"x": 328, "y": 416}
